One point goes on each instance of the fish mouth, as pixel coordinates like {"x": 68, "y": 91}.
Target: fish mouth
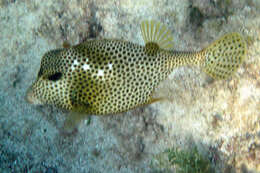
{"x": 31, "y": 98}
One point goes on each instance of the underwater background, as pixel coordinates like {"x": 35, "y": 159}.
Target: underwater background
{"x": 205, "y": 126}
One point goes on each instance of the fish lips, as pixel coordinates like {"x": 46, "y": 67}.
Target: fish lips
{"x": 31, "y": 98}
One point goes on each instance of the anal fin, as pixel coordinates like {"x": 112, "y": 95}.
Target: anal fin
{"x": 154, "y": 100}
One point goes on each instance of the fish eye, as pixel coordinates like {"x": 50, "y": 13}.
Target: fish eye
{"x": 55, "y": 76}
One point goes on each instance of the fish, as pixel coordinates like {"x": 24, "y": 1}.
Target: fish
{"x": 111, "y": 76}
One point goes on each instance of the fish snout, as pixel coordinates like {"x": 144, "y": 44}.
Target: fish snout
{"x": 31, "y": 98}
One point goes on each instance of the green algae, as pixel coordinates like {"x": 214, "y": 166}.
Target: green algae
{"x": 183, "y": 161}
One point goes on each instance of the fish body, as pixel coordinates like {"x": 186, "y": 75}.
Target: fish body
{"x": 109, "y": 76}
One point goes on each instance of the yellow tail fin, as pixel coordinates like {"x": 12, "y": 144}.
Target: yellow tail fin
{"x": 224, "y": 56}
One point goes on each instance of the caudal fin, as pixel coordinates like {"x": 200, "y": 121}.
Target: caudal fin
{"x": 224, "y": 56}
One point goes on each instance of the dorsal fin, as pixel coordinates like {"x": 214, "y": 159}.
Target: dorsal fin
{"x": 156, "y": 33}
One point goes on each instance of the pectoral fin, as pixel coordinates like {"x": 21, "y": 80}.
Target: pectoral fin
{"x": 72, "y": 121}
{"x": 78, "y": 113}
